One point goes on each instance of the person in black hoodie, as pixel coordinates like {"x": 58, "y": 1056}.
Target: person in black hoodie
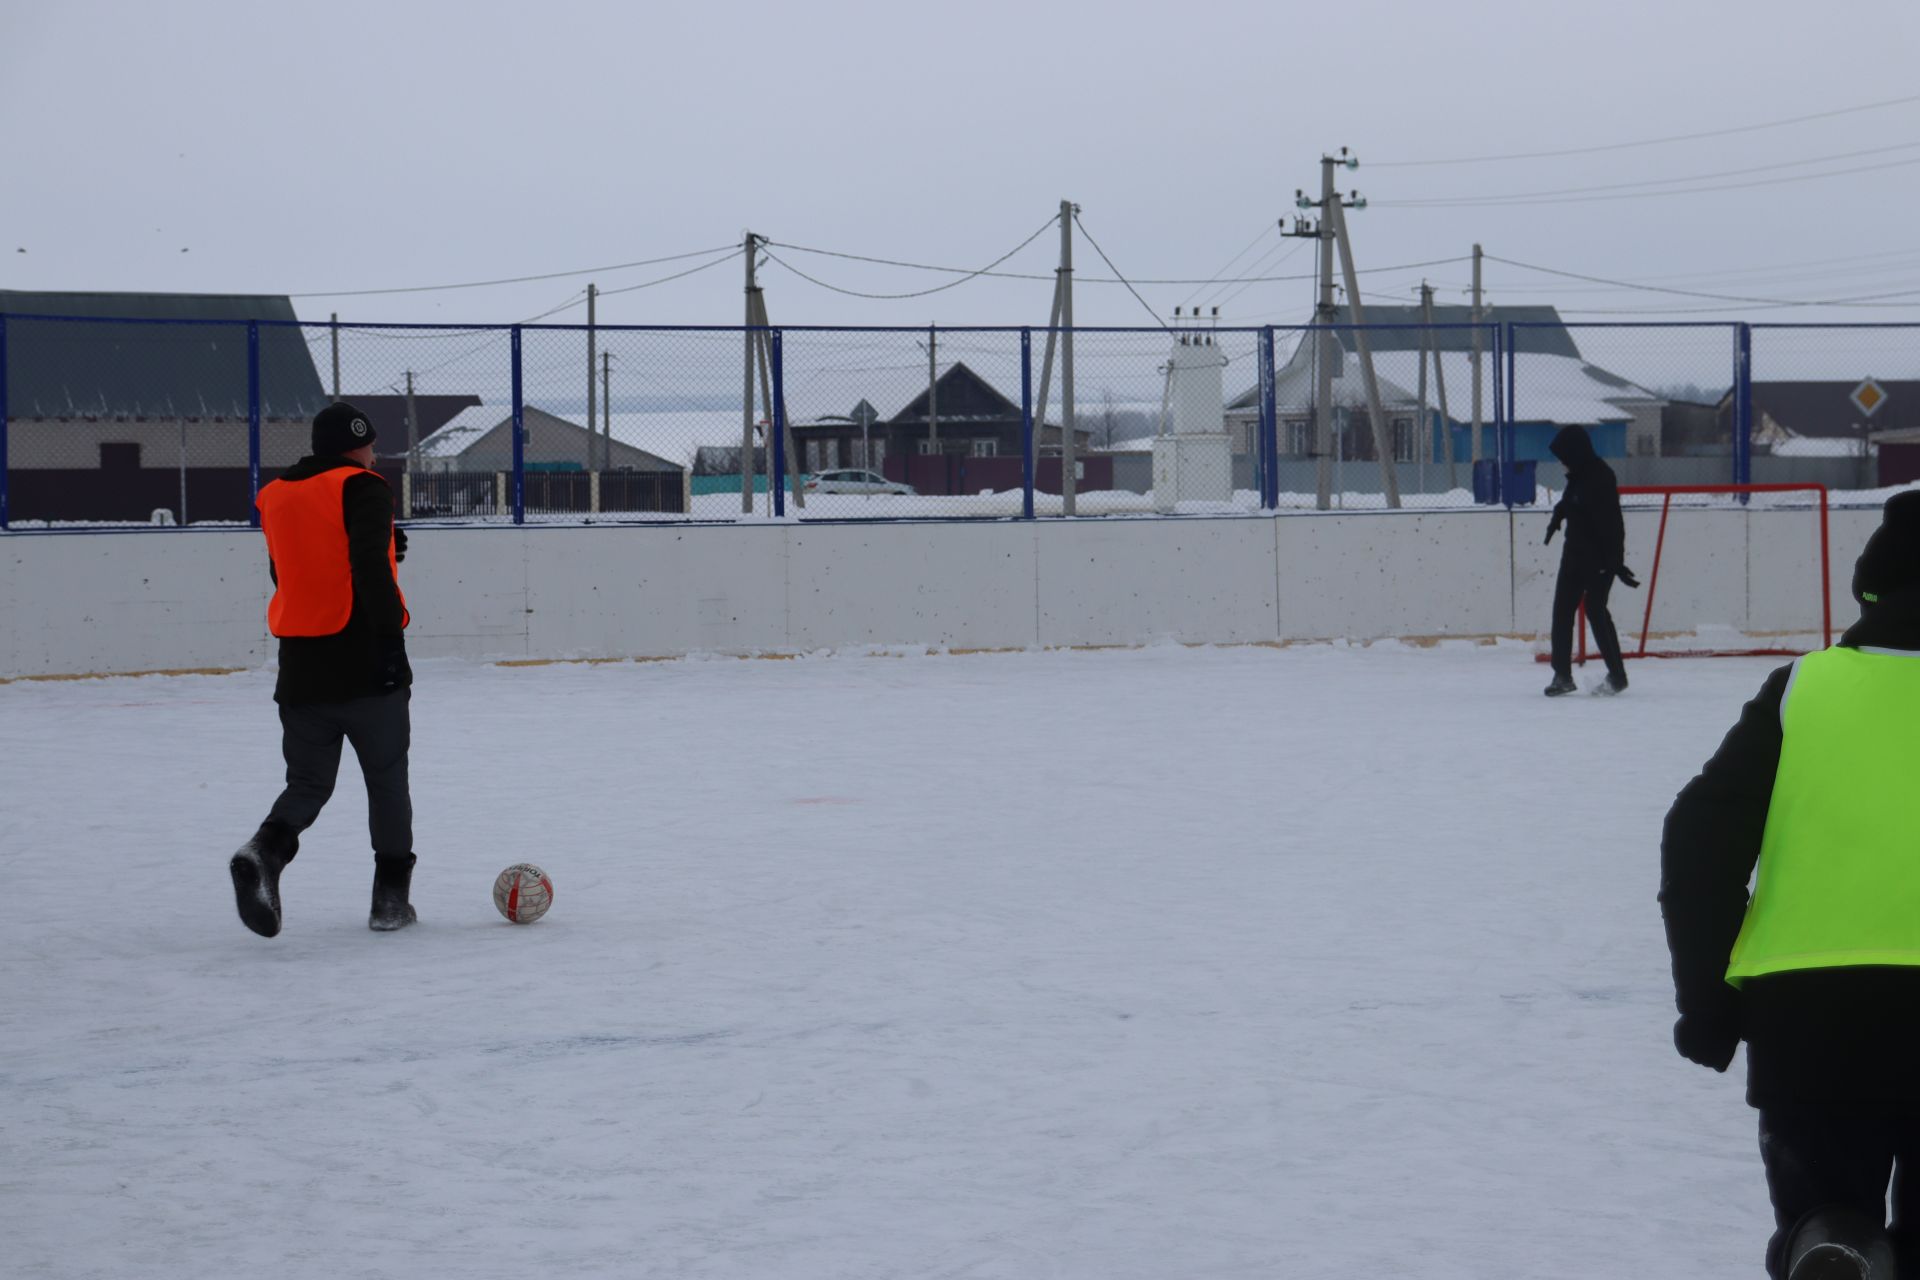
{"x": 1593, "y": 555}
{"x": 1832, "y": 1023}
{"x": 333, "y": 554}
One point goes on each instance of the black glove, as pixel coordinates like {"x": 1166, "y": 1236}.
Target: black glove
{"x": 391, "y": 664}
{"x": 1709, "y": 1041}
{"x": 399, "y": 543}
{"x": 1626, "y": 575}
{"x": 1553, "y": 527}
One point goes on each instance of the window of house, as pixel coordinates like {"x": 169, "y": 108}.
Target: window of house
{"x": 1403, "y": 440}
{"x": 986, "y": 448}
{"x": 813, "y": 455}
{"x": 1299, "y": 437}
{"x": 877, "y": 454}
{"x": 926, "y": 448}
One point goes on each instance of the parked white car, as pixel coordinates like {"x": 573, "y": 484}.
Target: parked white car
{"x": 856, "y": 482}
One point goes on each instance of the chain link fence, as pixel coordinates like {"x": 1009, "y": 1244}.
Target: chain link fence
{"x": 111, "y": 421}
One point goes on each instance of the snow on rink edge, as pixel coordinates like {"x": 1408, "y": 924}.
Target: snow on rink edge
{"x": 1154, "y": 963}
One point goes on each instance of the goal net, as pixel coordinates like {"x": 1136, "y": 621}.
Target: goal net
{"x": 1731, "y": 570}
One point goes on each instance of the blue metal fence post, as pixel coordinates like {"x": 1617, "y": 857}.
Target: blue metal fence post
{"x": 253, "y": 421}
{"x": 779, "y": 441}
{"x": 1743, "y": 405}
{"x": 1269, "y": 453}
{"x": 1026, "y": 423}
{"x": 3, "y": 421}
{"x": 519, "y": 435}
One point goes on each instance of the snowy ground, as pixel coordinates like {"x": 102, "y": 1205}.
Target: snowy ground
{"x": 1140, "y": 965}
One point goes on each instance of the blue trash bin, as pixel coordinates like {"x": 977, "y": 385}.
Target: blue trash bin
{"x": 1486, "y": 482}
{"x": 1522, "y": 486}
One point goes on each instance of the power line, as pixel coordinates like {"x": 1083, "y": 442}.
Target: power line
{"x": 678, "y": 275}
{"x": 1078, "y": 279}
{"x": 1689, "y": 191}
{"x": 1232, "y": 262}
{"x": 485, "y": 284}
{"x": 1648, "y": 142}
{"x": 1532, "y": 196}
{"x": 1116, "y": 271}
{"x": 1290, "y": 250}
{"x": 921, "y": 293}
{"x": 1715, "y": 297}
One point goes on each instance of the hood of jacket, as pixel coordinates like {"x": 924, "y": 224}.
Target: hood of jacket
{"x": 1574, "y": 447}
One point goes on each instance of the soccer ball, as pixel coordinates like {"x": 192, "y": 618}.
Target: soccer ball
{"x": 523, "y": 893}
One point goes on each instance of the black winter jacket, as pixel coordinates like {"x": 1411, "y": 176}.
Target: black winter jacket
{"x": 369, "y": 655}
{"x": 1596, "y": 533}
{"x": 1822, "y": 1037}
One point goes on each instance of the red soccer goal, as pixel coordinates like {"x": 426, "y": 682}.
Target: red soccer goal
{"x": 1667, "y": 493}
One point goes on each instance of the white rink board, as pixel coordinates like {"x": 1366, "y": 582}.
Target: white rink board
{"x": 870, "y": 584}
{"x": 81, "y": 603}
{"x": 467, "y": 600}
{"x": 654, "y": 592}
{"x": 1377, "y": 576}
{"x": 1148, "y": 581}
{"x": 94, "y": 603}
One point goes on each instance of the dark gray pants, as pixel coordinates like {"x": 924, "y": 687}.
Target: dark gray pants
{"x": 381, "y": 731}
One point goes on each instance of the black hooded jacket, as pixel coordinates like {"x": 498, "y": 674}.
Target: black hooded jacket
{"x": 1596, "y": 534}
{"x": 1823, "y": 1037}
{"x": 368, "y": 656}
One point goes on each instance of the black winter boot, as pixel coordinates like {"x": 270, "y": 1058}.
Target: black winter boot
{"x": 256, "y": 868}
{"x": 1839, "y": 1244}
{"x": 392, "y": 878}
{"x": 1561, "y": 686}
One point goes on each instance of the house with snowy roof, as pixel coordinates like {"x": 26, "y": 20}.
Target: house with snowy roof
{"x": 480, "y": 439}
{"x": 1839, "y": 418}
{"x": 970, "y": 418}
{"x": 1555, "y": 387}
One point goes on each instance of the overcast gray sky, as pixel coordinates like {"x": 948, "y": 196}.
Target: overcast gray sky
{"x": 348, "y": 145}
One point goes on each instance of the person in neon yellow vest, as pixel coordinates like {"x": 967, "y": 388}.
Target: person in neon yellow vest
{"x": 1818, "y": 969}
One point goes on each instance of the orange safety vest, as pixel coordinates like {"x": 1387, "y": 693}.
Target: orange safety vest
{"x": 306, "y": 527}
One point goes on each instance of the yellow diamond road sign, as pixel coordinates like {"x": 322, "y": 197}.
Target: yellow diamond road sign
{"x": 1869, "y": 395}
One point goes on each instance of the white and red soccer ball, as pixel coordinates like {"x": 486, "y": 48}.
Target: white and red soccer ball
{"x": 523, "y": 893}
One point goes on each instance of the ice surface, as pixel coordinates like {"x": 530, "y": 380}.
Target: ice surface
{"x": 1130, "y": 965}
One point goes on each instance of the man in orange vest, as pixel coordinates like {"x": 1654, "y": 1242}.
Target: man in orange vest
{"x": 338, "y": 612}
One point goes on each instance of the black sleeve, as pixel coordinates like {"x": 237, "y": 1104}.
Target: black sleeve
{"x": 1709, "y": 848}
{"x": 369, "y": 511}
{"x": 1609, "y": 526}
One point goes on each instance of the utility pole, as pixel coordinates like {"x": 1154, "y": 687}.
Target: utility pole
{"x": 747, "y": 346}
{"x": 1382, "y": 431}
{"x": 334, "y": 331}
{"x": 760, "y": 351}
{"x": 1440, "y": 381}
{"x": 606, "y": 408}
{"x": 1062, "y": 307}
{"x": 1325, "y": 350}
{"x": 1474, "y": 451}
{"x": 593, "y": 416}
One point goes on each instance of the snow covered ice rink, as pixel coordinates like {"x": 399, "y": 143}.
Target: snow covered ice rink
{"x": 1313, "y": 962}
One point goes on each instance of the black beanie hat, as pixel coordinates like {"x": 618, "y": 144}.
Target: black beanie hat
{"x": 341, "y": 428}
{"x": 1892, "y": 557}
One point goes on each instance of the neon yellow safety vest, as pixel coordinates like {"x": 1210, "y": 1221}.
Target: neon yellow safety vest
{"x": 1839, "y": 879}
